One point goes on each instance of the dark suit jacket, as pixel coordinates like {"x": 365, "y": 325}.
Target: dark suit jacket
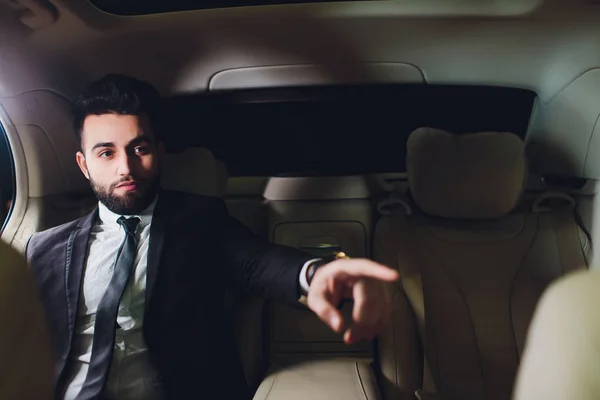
{"x": 196, "y": 251}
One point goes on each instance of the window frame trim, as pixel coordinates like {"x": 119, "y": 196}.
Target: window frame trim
{"x": 13, "y": 222}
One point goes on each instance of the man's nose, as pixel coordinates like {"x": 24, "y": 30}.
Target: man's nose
{"x": 124, "y": 166}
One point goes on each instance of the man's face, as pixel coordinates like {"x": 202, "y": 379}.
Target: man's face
{"x": 121, "y": 159}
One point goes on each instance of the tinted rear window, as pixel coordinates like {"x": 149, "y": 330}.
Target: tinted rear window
{"x": 337, "y": 130}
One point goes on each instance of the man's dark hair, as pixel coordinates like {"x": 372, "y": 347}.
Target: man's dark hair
{"x": 118, "y": 94}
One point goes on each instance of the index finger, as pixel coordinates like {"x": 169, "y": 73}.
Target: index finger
{"x": 362, "y": 268}
{"x": 320, "y": 305}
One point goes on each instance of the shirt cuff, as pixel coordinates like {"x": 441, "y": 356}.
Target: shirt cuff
{"x": 304, "y": 287}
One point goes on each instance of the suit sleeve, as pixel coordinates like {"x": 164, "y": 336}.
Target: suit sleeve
{"x": 257, "y": 266}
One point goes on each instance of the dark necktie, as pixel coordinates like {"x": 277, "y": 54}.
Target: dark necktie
{"x": 106, "y": 315}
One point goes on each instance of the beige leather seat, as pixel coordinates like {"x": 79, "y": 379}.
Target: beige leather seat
{"x": 26, "y": 369}
{"x": 325, "y": 379}
{"x": 194, "y": 170}
{"x": 317, "y": 215}
{"x": 307, "y": 360}
{"x": 474, "y": 260}
{"x": 562, "y": 351}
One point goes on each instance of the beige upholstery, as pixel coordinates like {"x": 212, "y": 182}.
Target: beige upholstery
{"x": 317, "y": 227}
{"x": 562, "y": 352}
{"x": 26, "y": 370}
{"x": 194, "y": 170}
{"x": 320, "y": 380}
{"x": 472, "y": 284}
{"x": 470, "y": 176}
{"x": 306, "y": 358}
{"x": 400, "y": 352}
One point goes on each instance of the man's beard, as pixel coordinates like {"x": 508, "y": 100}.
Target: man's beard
{"x": 129, "y": 203}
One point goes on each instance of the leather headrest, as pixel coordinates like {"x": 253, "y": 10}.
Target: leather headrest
{"x": 467, "y": 176}
{"x": 194, "y": 170}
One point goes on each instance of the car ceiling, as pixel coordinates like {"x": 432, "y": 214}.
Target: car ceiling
{"x": 551, "y": 47}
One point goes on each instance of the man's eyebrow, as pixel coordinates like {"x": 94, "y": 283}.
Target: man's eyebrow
{"x": 137, "y": 140}
{"x": 140, "y": 139}
{"x": 103, "y": 144}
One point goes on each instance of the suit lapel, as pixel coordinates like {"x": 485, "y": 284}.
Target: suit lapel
{"x": 74, "y": 266}
{"x": 157, "y": 239}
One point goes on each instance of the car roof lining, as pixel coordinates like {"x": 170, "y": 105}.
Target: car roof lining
{"x": 549, "y": 47}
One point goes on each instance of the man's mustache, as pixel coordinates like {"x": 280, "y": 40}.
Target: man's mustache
{"x": 128, "y": 180}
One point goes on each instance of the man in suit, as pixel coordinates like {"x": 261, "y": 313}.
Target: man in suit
{"x": 133, "y": 292}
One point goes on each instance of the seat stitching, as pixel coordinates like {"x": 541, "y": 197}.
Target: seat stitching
{"x": 561, "y": 253}
{"x": 462, "y": 296}
{"x": 396, "y": 292}
{"x": 272, "y": 385}
{"x": 513, "y": 283}
{"x": 360, "y": 382}
{"x": 457, "y": 287}
{"x": 424, "y": 337}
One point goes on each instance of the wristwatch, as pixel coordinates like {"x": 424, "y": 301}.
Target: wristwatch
{"x": 314, "y": 266}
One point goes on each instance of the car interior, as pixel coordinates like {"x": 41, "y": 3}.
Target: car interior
{"x": 456, "y": 141}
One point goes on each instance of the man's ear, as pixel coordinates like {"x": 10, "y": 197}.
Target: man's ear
{"x": 82, "y": 164}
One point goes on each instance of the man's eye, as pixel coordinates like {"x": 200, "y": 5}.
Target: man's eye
{"x": 105, "y": 154}
{"x": 142, "y": 150}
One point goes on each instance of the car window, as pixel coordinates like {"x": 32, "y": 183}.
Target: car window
{"x": 7, "y": 179}
{"x": 335, "y": 131}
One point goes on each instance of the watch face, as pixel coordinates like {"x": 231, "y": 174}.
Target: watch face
{"x": 320, "y": 246}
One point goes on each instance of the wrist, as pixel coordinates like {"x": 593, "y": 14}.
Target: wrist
{"x": 312, "y": 270}
{"x": 317, "y": 264}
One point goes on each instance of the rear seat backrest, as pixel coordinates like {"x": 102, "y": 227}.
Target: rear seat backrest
{"x": 194, "y": 170}
{"x": 316, "y": 215}
{"x": 471, "y": 270}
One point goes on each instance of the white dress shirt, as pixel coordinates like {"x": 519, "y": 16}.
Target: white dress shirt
{"x": 132, "y": 376}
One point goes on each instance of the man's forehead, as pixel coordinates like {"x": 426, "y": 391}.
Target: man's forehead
{"x": 114, "y": 128}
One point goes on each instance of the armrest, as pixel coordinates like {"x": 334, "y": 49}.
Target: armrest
{"x": 320, "y": 380}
